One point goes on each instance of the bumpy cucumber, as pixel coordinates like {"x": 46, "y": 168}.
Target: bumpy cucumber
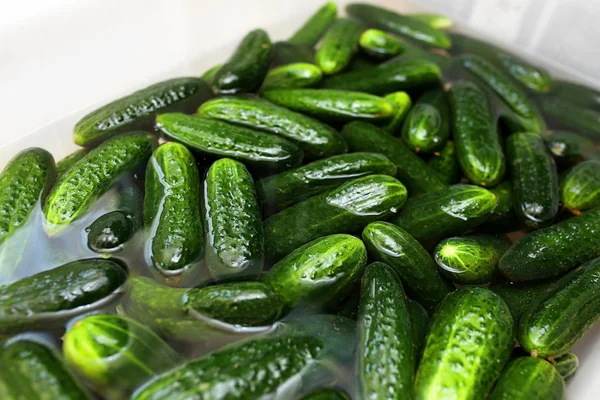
{"x": 569, "y": 148}
{"x": 554, "y": 250}
{"x": 345, "y": 209}
{"x": 296, "y": 75}
{"x": 339, "y": 45}
{"x": 581, "y": 187}
{"x": 67, "y": 162}
{"x": 567, "y": 365}
{"x": 384, "y": 323}
{"x": 419, "y": 323}
{"x": 380, "y": 45}
{"x": 315, "y": 138}
{"x": 470, "y": 339}
{"x": 576, "y": 93}
{"x": 312, "y": 30}
{"x": 110, "y": 232}
{"x": 436, "y": 21}
{"x": 527, "y": 378}
{"x": 285, "y": 53}
{"x": 401, "y": 102}
{"x": 326, "y": 394}
{"x": 394, "y": 246}
{"x": 445, "y": 164}
{"x": 247, "y": 67}
{"x": 565, "y": 114}
{"x": 519, "y": 296}
{"x": 220, "y": 139}
{"x": 137, "y": 110}
{"x": 427, "y": 126}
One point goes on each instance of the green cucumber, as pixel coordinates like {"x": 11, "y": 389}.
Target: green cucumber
{"x": 392, "y": 245}
{"x": 436, "y": 21}
{"x": 581, "y": 187}
{"x": 285, "y": 53}
{"x": 210, "y": 73}
{"x": 326, "y": 394}
{"x": 567, "y": 365}
{"x": 419, "y": 323}
{"x": 247, "y": 67}
{"x": 427, "y": 126}
{"x": 565, "y": 114}
{"x": 528, "y": 378}
{"x": 519, "y": 296}
{"x": 215, "y": 138}
{"x": 568, "y": 148}
{"x": 233, "y": 225}
{"x": 393, "y": 22}
{"x": 384, "y": 323}
{"x": 137, "y": 110}
{"x": 345, "y": 209}
{"x": 402, "y": 103}
{"x": 319, "y": 271}
{"x": 315, "y": 138}
{"x": 312, "y": 30}
{"x": 290, "y": 187}
{"x": 416, "y": 53}
{"x": 576, "y": 93}
{"x": 470, "y": 340}
{"x": 503, "y": 219}
{"x": 445, "y": 164}
{"x": 380, "y": 45}
{"x": 411, "y": 169}
{"x": 67, "y": 162}
{"x": 362, "y": 62}
{"x": 109, "y": 232}
{"x": 339, "y": 45}
{"x": 296, "y": 75}
{"x": 478, "y": 146}
{"x": 554, "y": 250}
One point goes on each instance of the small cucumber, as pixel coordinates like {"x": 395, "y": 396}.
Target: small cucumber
{"x": 581, "y": 187}
{"x": 411, "y": 169}
{"x": 519, "y": 296}
{"x": 576, "y": 93}
{"x": 315, "y": 138}
{"x": 247, "y": 67}
{"x": 312, "y": 30}
{"x": 529, "y": 378}
{"x": 554, "y": 250}
{"x": 567, "y": 365}
{"x": 210, "y": 73}
{"x": 436, "y": 21}
{"x": 416, "y": 53}
{"x": 296, "y": 75}
{"x": 568, "y": 148}
{"x": 110, "y": 232}
{"x": 67, "y": 162}
{"x": 419, "y": 323}
{"x": 478, "y": 146}
{"x": 137, "y": 110}
{"x": 285, "y": 53}
{"x": 362, "y": 62}
{"x": 380, "y": 45}
{"x": 339, "y": 45}
{"x": 384, "y": 323}
{"x": 326, "y": 394}
{"x": 565, "y": 114}
{"x": 503, "y": 219}
{"x": 345, "y": 209}
{"x": 215, "y": 138}
{"x": 445, "y": 164}
{"x": 470, "y": 340}
{"x": 427, "y": 126}
{"x": 319, "y": 271}
{"x": 394, "y": 246}
{"x": 402, "y": 103}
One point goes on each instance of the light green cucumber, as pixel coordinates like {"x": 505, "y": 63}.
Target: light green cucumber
{"x": 402, "y": 104}
{"x": 312, "y": 30}
{"x": 339, "y": 45}
{"x": 297, "y": 75}
{"x": 380, "y": 45}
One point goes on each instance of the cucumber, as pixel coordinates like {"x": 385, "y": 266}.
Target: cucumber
{"x": 210, "y": 73}
{"x": 395, "y": 23}
{"x": 312, "y": 30}
{"x": 296, "y": 75}
{"x": 392, "y": 245}
{"x": 326, "y": 394}
{"x": 419, "y": 324}
{"x": 519, "y": 296}
{"x": 445, "y": 164}
{"x": 67, "y": 162}
{"x": 567, "y": 365}
{"x": 214, "y": 138}
{"x": 554, "y": 250}
{"x": 564, "y": 114}
{"x": 316, "y": 139}
{"x": 470, "y": 260}
{"x": 581, "y": 187}
{"x": 80, "y": 186}
{"x": 529, "y": 378}
{"x": 345, "y": 209}
{"x": 33, "y": 370}
{"x": 285, "y": 53}
{"x": 172, "y": 215}
{"x": 411, "y": 170}
{"x": 427, "y": 126}
{"x": 137, "y": 110}
{"x": 247, "y": 67}
{"x": 51, "y": 297}
{"x": 436, "y": 21}
{"x": 116, "y": 354}
{"x": 568, "y": 148}
{"x": 339, "y": 45}
{"x": 470, "y": 340}
{"x": 416, "y": 53}
{"x": 384, "y": 323}
{"x": 290, "y": 187}
{"x": 380, "y": 45}
{"x": 401, "y": 103}
{"x": 110, "y": 232}
{"x": 534, "y": 179}
{"x": 445, "y": 213}
{"x": 503, "y": 219}
{"x": 332, "y": 105}
{"x": 319, "y": 271}
{"x": 576, "y": 93}
{"x": 563, "y": 314}
{"x": 362, "y": 62}
{"x": 478, "y": 146}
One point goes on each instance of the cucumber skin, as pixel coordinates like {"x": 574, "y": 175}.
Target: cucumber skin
{"x": 567, "y": 365}
{"x": 384, "y": 323}
{"x": 339, "y": 45}
{"x": 568, "y": 148}
{"x": 427, "y": 126}
{"x": 137, "y": 110}
{"x": 296, "y": 75}
{"x": 470, "y": 340}
{"x": 345, "y": 209}
{"x": 312, "y": 30}
{"x": 247, "y": 67}
{"x": 567, "y": 115}
{"x": 284, "y": 53}
{"x": 419, "y": 323}
{"x": 436, "y": 21}
{"x": 527, "y": 378}
{"x": 581, "y": 187}
{"x": 109, "y": 232}
{"x": 519, "y": 296}
{"x": 402, "y": 103}
{"x": 446, "y": 164}
{"x": 554, "y": 250}
{"x": 503, "y": 219}
{"x": 411, "y": 170}
{"x": 380, "y": 45}
{"x": 67, "y": 162}
{"x": 579, "y": 94}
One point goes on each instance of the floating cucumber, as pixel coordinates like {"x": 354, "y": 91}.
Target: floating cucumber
{"x": 312, "y": 30}
{"x": 110, "y": 232}
{"x": 580, "y": 189}
{"x": 339, "y": 45}
{"x": 296, "y": 75}
{"x": 380, "y": 45}
{"x": 565, "y": 114}
{"x": 529, "y": 377}
{"x": 576, "y": 93}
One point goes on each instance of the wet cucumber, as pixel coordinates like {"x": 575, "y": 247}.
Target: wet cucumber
{"x": 380, "y": 45}
{"x": 419, "y": 323}
{"x": 339, "y": 45}
{"x": 416, "y": 53}
{"x": 285, "y": 53}
{"x": 576, "y": 93}
{"x": 209, "y": 73}
{"x": 445, "y": 164}
{"x": 326, "y": 394}
{"x": 567, "y": 365}
{"x": 470, "y": 340}
{"x": 564, "y": 114}
{"x": 568, "y": 148}
{"x": 402, "y": 103}
{"x": 110, "y": 232}
{"x": 296, "y": 75}
{"x": 519, "y": 296}
{"x": 436, "y": 21}
{"x": 67, "y": 162}
{"x": 580, "y": 189}
{"x": 427, "y": 126}
{"x": 386, "y": 354}
{"x": 528, "y": 378}
{"x": 312, "y": 30}
{"x": 503, "y": 219}
{"x": 345, "y": 209}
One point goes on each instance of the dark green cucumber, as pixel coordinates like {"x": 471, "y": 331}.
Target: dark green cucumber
{"x": 393, "y": 22}
{"x": 445, "y": 213}
{"x": 326, "y": 394}
{"x": 528, "y": 378}
{"x": 419, "y": 324}
{"x": 285, "y": 53}
{"x": 172, "y": 214}
{"x": 247, "y": 67}
{"x": 470, "y": 339}
{"x": 567, "y": 365}
{"x": 296, "y": 75}
{"x": 402, "y": 103}
{"x": 380, "y": 45}
{"x": 394, "y": 246}
{"x": 312, "y": 30}
{"x": 519, "y": 296}
{"x": 568, "y": 148}
{"x": 319, "y": 271}
{"x": 339, "y": 45}
{"x": 110, "y": 232}
{"x": 580, "y": 189}
{"x": 209, "y": 73}
{"x": 534, "y": 179}
{"x": 233, "y": 225}
{"x": 386, "y": 354}
{"x": 137, "y": 110}
{"x": 563, "y": 314}
{"x": 576, "y": 93}
{"x": 427, "y": 126}
{"x": 445, "y": 164}
{"x": 478, "y": 146}
{"x": 503, "y": 219}
{"x": 51, "y": 297}
{"x": 436, "y": 21}
{"x": 411, "y": 169}
{"x": 290, "y": 187}
{"x": 67, "y": 162}
{"x": 565, "y": 114}
{"x": 554, "y": 250}
{"x": 345, "y": 209}
{"x": 215, "y": 138}
{"x": 315, "y": 138}
{"x": 416, "y": 53}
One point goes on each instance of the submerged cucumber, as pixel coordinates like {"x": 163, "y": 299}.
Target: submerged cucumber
{"x": 380, "y": 45}
{"x": 401, "y": 102}
{"x": 576, "y": 93}
{"x": 339, "y": 45}
{"x": 527, "y": 378}
{"x": 581, "y": 187}
{"x": 67, "y": 162}
{"x": 568, "y": 148}
{"x": 427, "y": 126}
{"x": 445, "y": 164}
{"x": 567, "y": 365}
{"x": 110, "y": 232}
{"x": 519, "y": 296}
{"x": 296, "y": 75}
{"x": 312, "y": 30}
{"x": 564, "y": 114}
